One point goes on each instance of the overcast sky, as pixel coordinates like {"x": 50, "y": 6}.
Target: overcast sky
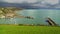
{"x": 30, "y": 1}
{"x": 19, "y": 1}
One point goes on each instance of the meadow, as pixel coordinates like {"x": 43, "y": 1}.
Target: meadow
{"x": 14, "y": 29}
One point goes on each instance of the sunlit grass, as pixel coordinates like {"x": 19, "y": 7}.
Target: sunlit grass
{"x": 13, "y": 29}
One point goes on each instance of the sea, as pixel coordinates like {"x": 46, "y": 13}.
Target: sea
{"x": 39, "y": 16}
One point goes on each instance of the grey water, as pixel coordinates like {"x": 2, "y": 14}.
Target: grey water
{"x": 39, "y": 15}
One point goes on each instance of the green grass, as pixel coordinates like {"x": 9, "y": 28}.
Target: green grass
{"x": 11, "y": 29}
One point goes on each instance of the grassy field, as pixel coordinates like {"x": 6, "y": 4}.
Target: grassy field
{"x": 13, "y": 29}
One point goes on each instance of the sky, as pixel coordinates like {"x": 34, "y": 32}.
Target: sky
{"x": 31, "y": 1}
{"x": 36, "y": 3}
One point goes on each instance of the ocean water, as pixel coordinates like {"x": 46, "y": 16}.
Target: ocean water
{"x": 39, "y": 15}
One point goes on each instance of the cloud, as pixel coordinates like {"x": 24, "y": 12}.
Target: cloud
{"x": 40, "y": 5}
{"x": 35, "y": 3}
{"x": 19, "y": 1}
{"x": 30, "y": 1}
{"x": 46, "y": 3}
{"x": 52, "y": 1}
